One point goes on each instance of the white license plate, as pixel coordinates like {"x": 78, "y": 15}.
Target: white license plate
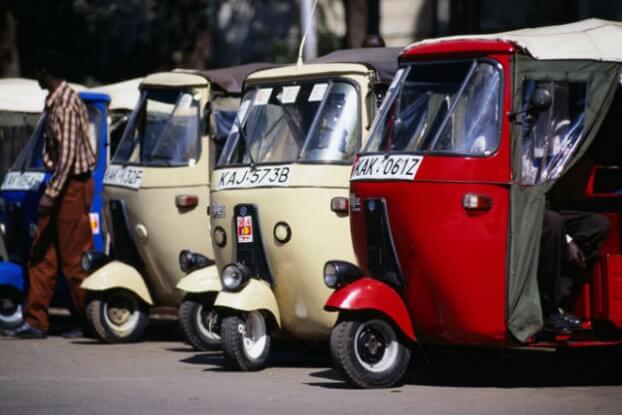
{"x": 130, "y": 177}
{"x": 245, "y": 177}
{"x": 379, "y": 167}
{"x": 28, "y": 180}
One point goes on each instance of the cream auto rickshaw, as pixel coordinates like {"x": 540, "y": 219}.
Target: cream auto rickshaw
{"x": 279, "y": 197}
{"x": 156, "y": 191}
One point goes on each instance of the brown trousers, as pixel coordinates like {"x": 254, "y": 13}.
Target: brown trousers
{"x": 62, "y": 237}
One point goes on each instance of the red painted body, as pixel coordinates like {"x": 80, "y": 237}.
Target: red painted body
{"x": 455, "y": 261}
{"x": 370, "y": 294}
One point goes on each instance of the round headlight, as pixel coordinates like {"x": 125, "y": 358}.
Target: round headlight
{"x": 233, "y": 277}
{"x": 330, "y": 275}
{"x": 85, "y": 261}
{"x": 186, "y": 260}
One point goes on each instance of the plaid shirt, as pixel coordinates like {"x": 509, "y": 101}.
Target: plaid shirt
{"x": 67, "y": 149}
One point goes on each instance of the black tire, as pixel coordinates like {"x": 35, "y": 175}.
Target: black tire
{"x": 117, "y": 316}
{"x": 369, "y": 353}
{"x": 200, "y": 322}
{"x": 11, "y": 308}
{"x": 243, "y": 350}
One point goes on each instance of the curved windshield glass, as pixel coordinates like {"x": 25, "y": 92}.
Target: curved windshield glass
{"x": 448, "y": 107}
{"x": 311, "y": 121}
{"x": 163, "y": 130}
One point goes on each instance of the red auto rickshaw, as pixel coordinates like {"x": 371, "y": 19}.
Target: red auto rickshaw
{"x": 447, "y": 198}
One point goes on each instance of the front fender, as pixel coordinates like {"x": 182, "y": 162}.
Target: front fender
{"x": 203, "y": 280}
{"x": 256, "y": 295}
{"x": 12, "y": 274}
{"x": 116, "y": 274}
{"x": 370, "y": 294}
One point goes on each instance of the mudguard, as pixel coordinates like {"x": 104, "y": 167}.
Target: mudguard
{"x": 370, "y": 294}
{"x": 116, "y": 274}
{"x": 12, "y": 274}
{"x": 203, "y": 280}
{"x": 256, "y": 295}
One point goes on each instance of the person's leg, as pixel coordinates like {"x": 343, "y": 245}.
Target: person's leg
{"x": 588, "y": 230}
{"x": 42, "y": 272}
{"x": 551, "y": 259}
{"x": 75, "y": 237}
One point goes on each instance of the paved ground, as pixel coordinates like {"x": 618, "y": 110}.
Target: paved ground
{"x": 164, "y": 376}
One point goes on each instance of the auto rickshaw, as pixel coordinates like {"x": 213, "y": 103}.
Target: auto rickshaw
{"x": 21, "y": 190}
{"x": 156, "y": 190}
{"x": 278, "y": 197}
{"x": 447, "y": 198}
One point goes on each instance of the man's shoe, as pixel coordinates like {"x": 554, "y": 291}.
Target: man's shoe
{"x": 555, "y": 323}
{"x": 574, "y": 322}
{"x": 26, "y": 331}
{"x": 73, "y": 334}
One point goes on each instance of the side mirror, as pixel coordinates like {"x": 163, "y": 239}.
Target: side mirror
{"x": 540, "y": 100}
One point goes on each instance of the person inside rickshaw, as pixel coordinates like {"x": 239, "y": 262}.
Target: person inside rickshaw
{"x": 570, "y": 238}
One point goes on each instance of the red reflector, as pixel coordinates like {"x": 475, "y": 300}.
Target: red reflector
{"x": 339, "y": 204}
{"x": 475, "y": 201}
{"x": 186, "y": 201}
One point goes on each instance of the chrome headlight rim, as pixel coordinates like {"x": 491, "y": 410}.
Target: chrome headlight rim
{"x": 339, "y": 273}
{"x": 235, "y": 276}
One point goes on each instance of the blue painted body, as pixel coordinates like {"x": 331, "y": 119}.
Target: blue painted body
{"x": 13, "y": 270}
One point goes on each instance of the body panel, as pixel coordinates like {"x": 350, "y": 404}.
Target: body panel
{"x": 256, "y": 295}
{"x": 203, "y": 280}
{"x": 116, "y": 274}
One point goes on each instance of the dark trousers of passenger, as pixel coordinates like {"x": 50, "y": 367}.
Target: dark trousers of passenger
{"x": 588, "y": 231}
{"x": 62, "y": 237}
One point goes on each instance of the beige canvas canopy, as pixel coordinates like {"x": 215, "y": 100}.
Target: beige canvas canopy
{"x": 123, "y": 95}
{"x": 592, "y": 39}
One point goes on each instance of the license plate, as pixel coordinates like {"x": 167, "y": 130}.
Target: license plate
{"x": 130, "y": 177}
{"x": 379, "y": 167}
{"x": 16, "y": 180}
{"x": 245, "y": 177}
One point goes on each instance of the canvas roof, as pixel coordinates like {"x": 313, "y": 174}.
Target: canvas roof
{"x": 123, "y": 95}
{"x": 381, "y": 60}
{"x": 24, "y": 95}
{"x": 230, "y": 79}
{"x": 591, "y": 39}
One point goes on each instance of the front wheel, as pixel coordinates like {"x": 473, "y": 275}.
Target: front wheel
{"x": 245, "y": 341}
{"x": 117, "y": 316}
{"x": 11, "y": 308}
{"x": 200, "y": 323}
{"x": 369, "y": 353}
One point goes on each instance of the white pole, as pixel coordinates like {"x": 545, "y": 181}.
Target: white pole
{"x": 308, "y": 42}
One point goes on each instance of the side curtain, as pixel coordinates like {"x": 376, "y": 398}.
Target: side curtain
{"x": 524, "y": 311}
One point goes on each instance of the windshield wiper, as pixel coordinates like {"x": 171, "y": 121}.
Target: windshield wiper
{"x": 245, "y": 140}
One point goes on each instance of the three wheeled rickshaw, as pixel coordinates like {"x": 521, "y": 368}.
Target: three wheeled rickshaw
{"x": 447, "y": 198}
{"x": 279, "y": 193}
{"x": 156, "y": 191}
{"x": 23, "y": 186}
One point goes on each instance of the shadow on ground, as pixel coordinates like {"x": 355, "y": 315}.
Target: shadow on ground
{"x": 484, "y": 368}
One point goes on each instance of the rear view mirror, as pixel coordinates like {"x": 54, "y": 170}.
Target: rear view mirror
{"x": 540, "y": 100}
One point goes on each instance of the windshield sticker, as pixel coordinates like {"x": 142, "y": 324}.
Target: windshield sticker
{"x": 16, "y": 180}
{"x": 245, "y": 229}
{"x": 94, "y": 217}
{"x": 130, "y": 177}
{"x": 379, "y": 167}
{"x": 289, "y": 94}
{"x": 245, "y": 177}
{"x": 317, "y": 93}
{"x": 262, "y": 96}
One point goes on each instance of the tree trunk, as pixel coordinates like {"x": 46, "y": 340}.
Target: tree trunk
{"x": 9, "y": 61}
{"x": 356, "y": 22}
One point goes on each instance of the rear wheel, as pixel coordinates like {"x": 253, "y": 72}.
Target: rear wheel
{"x": 245, "y": 341}
{"x": 117, "y": 316}
{"x": 200, "y": 322}
{"x": 369, "y": 353}
{"x": 11, "y": 308}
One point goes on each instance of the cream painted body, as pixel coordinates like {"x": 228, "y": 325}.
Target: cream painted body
{"x": 204, "y": 280}
{"x": 256, "y": 295}
{"x": 159, "y": 229}
{"x": 317, "y": 233}
{"x": 116, "y": 274}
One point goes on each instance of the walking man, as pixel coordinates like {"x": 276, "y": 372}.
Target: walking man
{"x": 64, "y": 231}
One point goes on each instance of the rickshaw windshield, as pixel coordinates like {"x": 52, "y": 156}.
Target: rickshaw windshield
{"x": 30, "y": 157}
{"x": 446, "y": 108}
{"x": 163, "y": 130}
{"x": 306, "y": 122}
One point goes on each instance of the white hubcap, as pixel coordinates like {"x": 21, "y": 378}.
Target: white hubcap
{"x": 121, "y": 312}
{"x": 206, "y": 320}
{"x": 254, "y": 334}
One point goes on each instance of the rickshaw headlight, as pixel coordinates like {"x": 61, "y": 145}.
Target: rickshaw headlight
{"x": 234, "y": 277}
{"x": 93, "y": 260}
{"x": 191, "y": 261}
{"x": 339, "y": 273}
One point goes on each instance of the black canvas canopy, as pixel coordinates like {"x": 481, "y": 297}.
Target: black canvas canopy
{"x": 383, "y": 61}
{"x": 231, "y": 79}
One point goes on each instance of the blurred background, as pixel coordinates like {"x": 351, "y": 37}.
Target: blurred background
{"x": 106, "y": 41}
